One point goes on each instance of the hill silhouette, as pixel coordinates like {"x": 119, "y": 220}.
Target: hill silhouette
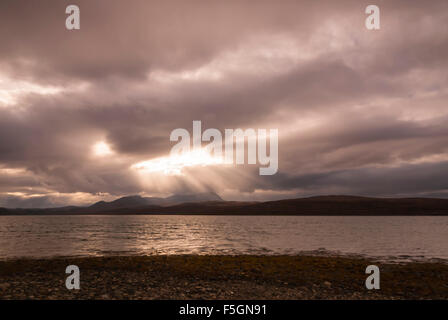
{"x": 212, "y": 204}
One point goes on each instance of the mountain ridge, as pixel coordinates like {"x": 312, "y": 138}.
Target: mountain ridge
{"x": 136, "y": 200}
{"x": 212, "y": 204}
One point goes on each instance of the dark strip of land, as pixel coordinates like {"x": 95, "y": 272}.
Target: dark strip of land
{"x": 313, "y": 206}
{"x": 221, "y": 277}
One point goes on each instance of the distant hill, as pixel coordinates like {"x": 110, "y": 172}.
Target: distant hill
{"x": 212, "y": 204}
{"x": 199, "y": 197}
{"x": 125, "y": 202}
{"x": 138, "y": 201}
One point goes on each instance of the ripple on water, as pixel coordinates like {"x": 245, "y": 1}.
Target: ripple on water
{"x": 386, "y": 238}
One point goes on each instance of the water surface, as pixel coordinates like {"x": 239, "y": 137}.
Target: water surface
{"x": 406, "y": 238}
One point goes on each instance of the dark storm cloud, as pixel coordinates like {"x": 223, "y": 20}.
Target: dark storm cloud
{"x": 407, "y": 180}
{"x": 130, "y": 38}
{"x": 19, "y": 202}
{"x": 358, "y": 111}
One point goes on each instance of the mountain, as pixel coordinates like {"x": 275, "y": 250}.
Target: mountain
{"x": 125, "y": 202}
{"x": 138, "y": 201}
{"x": 198, "y": 197}
{"x": 313, "y": 206}
{"x": 212, "y": 204}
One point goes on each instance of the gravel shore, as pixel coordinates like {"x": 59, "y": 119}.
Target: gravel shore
{"x": 220, "y": 277}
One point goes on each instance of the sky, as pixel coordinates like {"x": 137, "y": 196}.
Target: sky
{"x": 358, "y": 111}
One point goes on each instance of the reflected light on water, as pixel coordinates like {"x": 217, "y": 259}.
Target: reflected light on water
{"x": 387, "y": 237}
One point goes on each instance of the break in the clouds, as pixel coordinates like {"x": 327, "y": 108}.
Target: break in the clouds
{"x": 358, "y": 111}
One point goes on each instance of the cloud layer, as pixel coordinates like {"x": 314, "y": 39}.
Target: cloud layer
{"x": 358, "y": 111}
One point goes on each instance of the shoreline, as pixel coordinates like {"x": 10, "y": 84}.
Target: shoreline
{"x": 221, "y": 277}
{"x": 322, "y": 253}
